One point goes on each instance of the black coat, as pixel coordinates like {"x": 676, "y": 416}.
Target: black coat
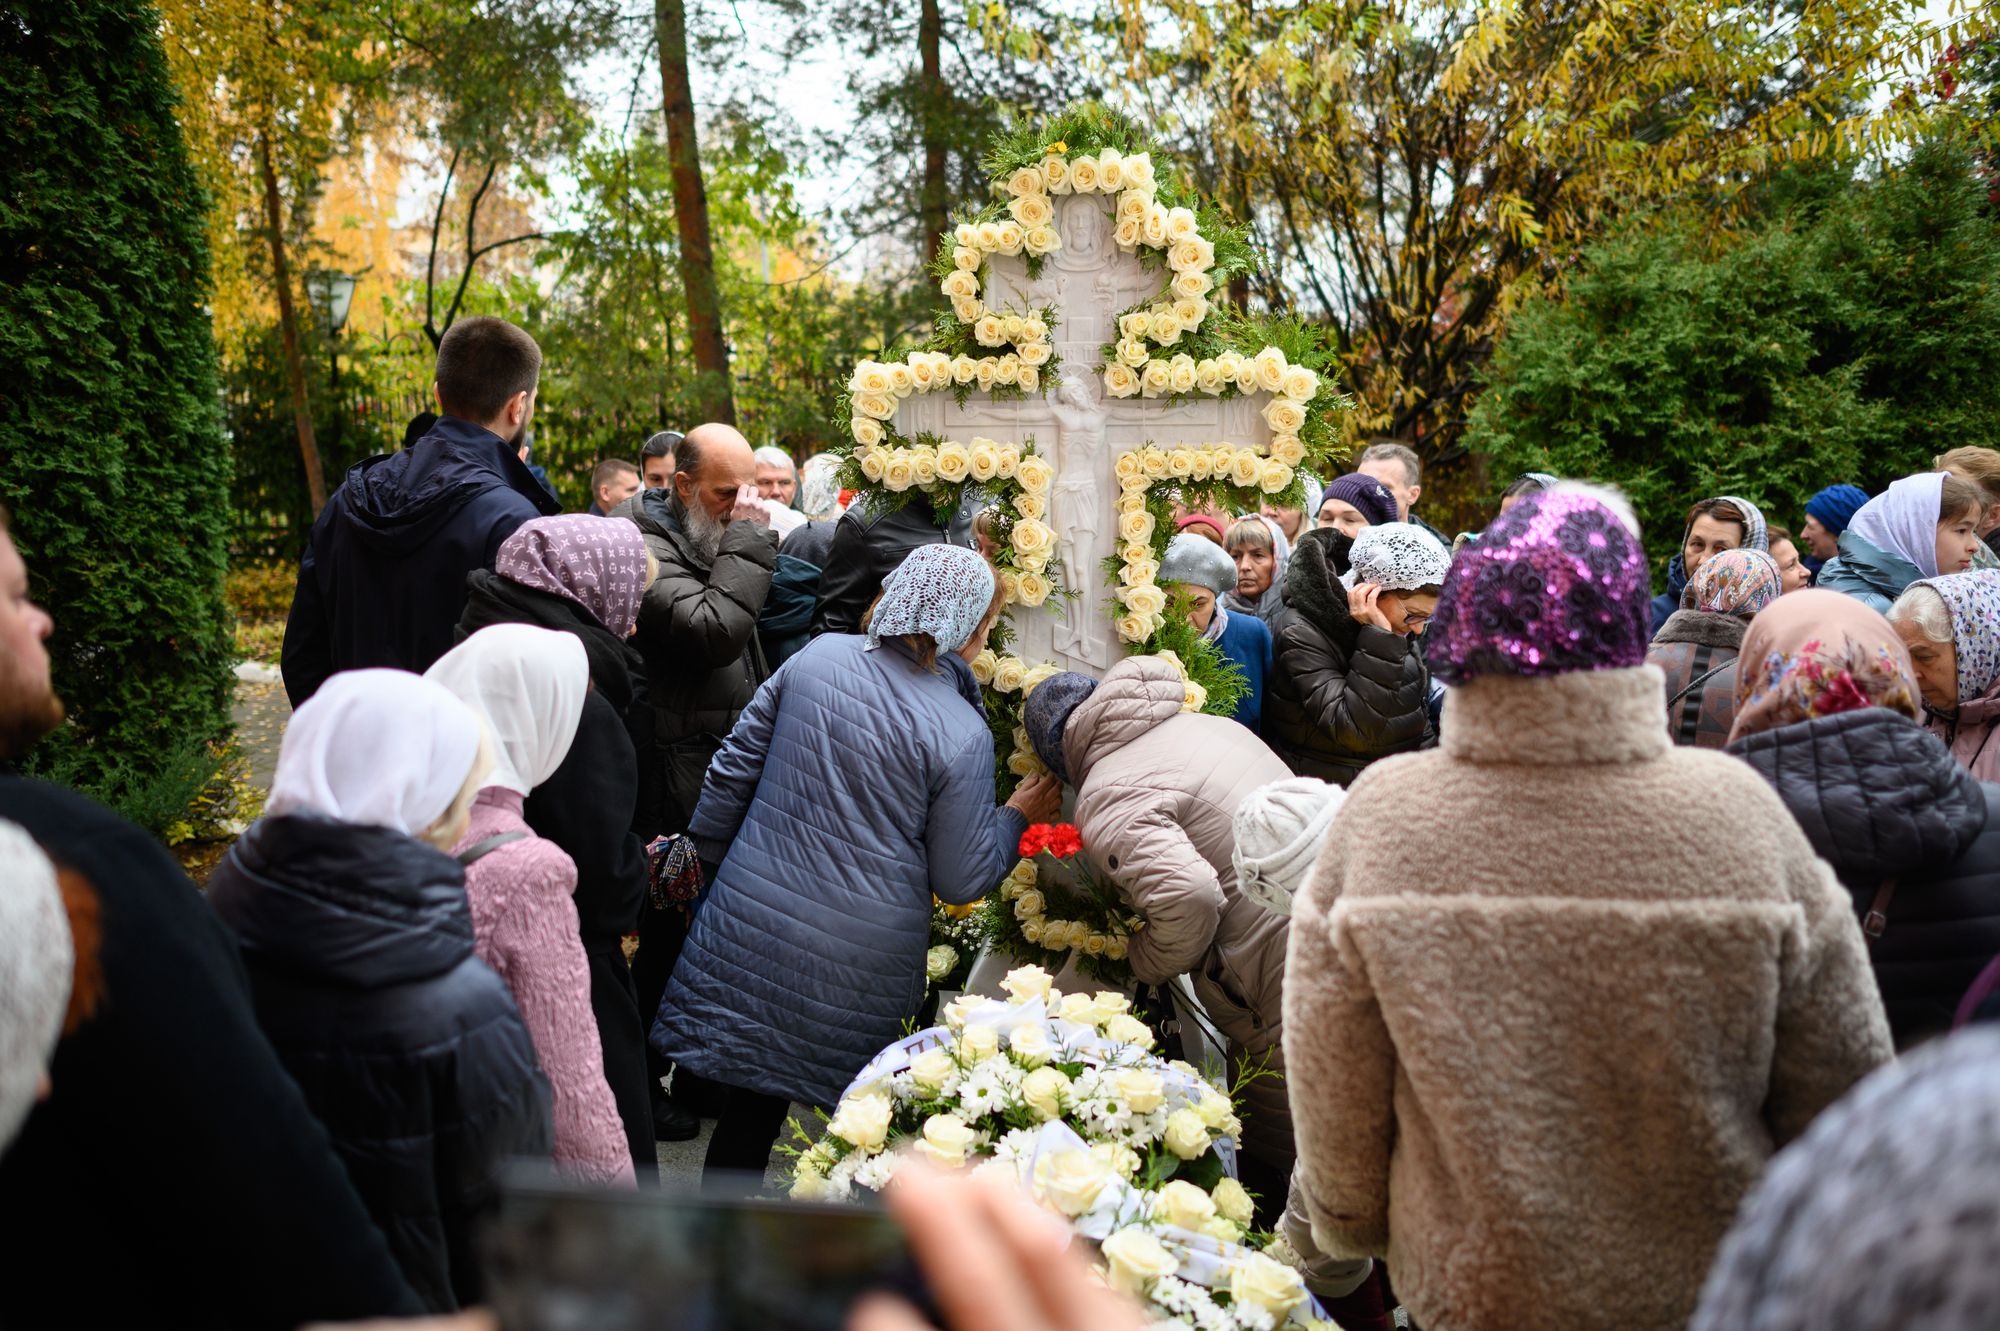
{"x": 408, "y": 1047}
{"x": 1880, "y": 797}
{"x": 382, "y": 579}
{"x": 869, "y": 542}
{"x": 698, "y": 635}
{"x": 174, "y": 1176}
{"x": 599, "y": 807}
{"x": 1341, "y": 694}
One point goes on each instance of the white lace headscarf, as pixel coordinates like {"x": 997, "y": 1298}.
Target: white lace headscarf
{"x": 37, "y": 964}
{"x": 527, "y": 684}
{"x": 942, "y": 590}
{"x": 1398, "y": 557}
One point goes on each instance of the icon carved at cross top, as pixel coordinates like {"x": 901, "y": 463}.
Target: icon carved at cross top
{"x": 1088, "y": 282}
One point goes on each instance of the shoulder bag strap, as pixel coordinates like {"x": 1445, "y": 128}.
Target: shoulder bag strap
{"x": 1876, "y": 922}
{"x": 479, "y": 850}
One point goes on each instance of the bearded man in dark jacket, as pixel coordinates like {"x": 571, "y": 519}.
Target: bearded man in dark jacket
{"x": 382, "y": 579}
{"x": 698, "y": 634}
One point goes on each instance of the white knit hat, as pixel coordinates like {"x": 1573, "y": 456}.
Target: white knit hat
{"x": 1278, "y": 834}
{"x": 1398, "y": 557}
{"x": 37, "y": 963}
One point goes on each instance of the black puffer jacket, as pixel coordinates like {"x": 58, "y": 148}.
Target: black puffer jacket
{"x": 1880, "y": 797}
{"x": 409, "y": 1049}
{"x": 869, "y": 541}
{"x": 698, "y": 635}
{"x": 1341, "y": 694}
{"x": 598, "y": 807}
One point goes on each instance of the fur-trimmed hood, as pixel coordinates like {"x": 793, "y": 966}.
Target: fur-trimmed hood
{"x": 1703, "y": 628}
{"x": 1312, "y": 584}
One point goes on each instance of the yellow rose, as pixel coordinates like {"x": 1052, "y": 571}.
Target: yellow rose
{"x": 1031, "y": 930}
{"x": 1157, "y": 377}
{"x": 862, "y": 1121}
{"x": 1246, "y": 470}
{"x": 1257, "y": 1281}
{"x": 1030, "y": 1044}
{"x": 1083, "y": 176}
{"x": 900, "y": 472}
{"x": 1186, "y": 1137}
{"x": 1166, "y": 328}
{"x": 1043, "y": 1091}
{"x": 982, "y": 459}
{"x": 976, "y": 1043}
{"x": 1134, "y": 1261}
{"x": 967, "y": 259}
{"x": 867, "y": 432}
{"x": 1128, "y": 1029}
{"x": 1277, "y": 477}
{"x": 1069, "y": 1181}
{"x": 1025, "y": 984}
{"x": 1287, "y": 449}
{"x": 954, "y": 462}
{"x": 1034, "y": 589}
{"x": 1008, "y": 674}
{"x": 1232, "y": 1202}
{"x": 1035, "y": 476}
{"x": 1192, "y": 286}
{"x": 1283, "y": 415}
{"x": 1032, "y": 537}
{"x": 1010, "y": 461}
{"x": 1183, "y": 380}
{"x": 1135, "y": 526}
{"x": 870, "y": 377}
{"x": 989, "y": 331}
{"x": 1182, "y": 1203}
{"x": 1037, "y": 675}
{"x": 1133, "y": 351}
{"x": 1193, "y": 255}
{"x": 1114, "y": 949}
{"x": 1139, "y": 172}
{"x": 1055, "y": 174}
{"x": 964, "y": 369}
{"x": 1271, "y": 369}
{"x": 1009, "y": 237}
{"x": 988, "y": 372}
{"x": 881, "y": 406}
{"x": 959, "y": 283}
{"x": 1140, "y": 1088}
{"x": 1134, "y": 628}
{"x": 1026, "y": 180}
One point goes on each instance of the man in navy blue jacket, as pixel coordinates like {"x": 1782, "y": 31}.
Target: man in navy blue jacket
{"x": 382, "y": 579}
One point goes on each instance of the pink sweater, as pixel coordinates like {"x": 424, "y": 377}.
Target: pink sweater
{"x": 524, "y": 927}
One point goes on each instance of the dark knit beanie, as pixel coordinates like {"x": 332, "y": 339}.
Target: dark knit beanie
{"x": 1047, "y": 714}
{"x": 1836, "y": 506}
{"x": 1365, "y": 493}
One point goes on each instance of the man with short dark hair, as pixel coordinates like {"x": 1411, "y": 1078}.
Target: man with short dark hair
{"x": 1398, "y": 467}
{"x": 382, "y": 579}
{"x": 243, "y": 1168}
{"x": 612, "y": 482}
{"x": 656, "y": 459}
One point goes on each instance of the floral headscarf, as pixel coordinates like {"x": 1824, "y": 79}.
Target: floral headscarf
{"x": 941, "y": 590}
{"x": 1974, "y": 602}
{"x": 598, "y": 563}
{"x": 1816, "y": 653}
{"x": 1734, "y": 582}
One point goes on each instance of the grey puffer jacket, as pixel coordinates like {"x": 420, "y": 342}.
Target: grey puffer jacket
{"x": 856, "y": 787}
{"x": 1157, "y": 790}
{"x": 1880, "y": 797}
{"x": 698, "y": 635}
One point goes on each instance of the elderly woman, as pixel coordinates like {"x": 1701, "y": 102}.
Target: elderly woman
{"x": 1724, "y": 522}
{"x": 1696, "y": 648}
{"x": 1348, "y": 685}
{"x": 857, "y": 786}
{"x": 1465, "y": 1015}
{"x": 1261, "y": 553}
{"x": 1922, "y": 526}
{"x": 1829, "y": 719}
{"x": 1952, "y": 627}
{"x": 1199, "y": 567}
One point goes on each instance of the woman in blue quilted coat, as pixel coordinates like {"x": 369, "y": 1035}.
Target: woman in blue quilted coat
{"x": 856, "y": 786}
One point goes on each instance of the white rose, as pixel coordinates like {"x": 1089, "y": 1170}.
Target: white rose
{"x": 1219, "y": 1227}
{"x": 967, "y": 259}
{"x": 1120, "y": 1159}
{"x": 1007, "y": 676}
{"x": 1007, "y": 370}
{"x": 1193, "y": 255}
{"x": 1134, "y": 203}
{"x": 1213, "y": 1107}
{"x": 966, "y": 234}
{"x": 1034, "y": 329}
{"x": 989, "y": 331}
{"x": 1044, "y": 1091}
{"x": 1139, "y": 172}
{"x": 1246, "y": 470}
{"x": 967, "y": 309}
{"x": 871, "y": 377}
{"x": 1277, "y": 477}
{"x": 1069, "y": 1181}
{"x": 1139, "y": 572}
{"x": 954, "y": 462}
{"x": 1154, "y": 227}
{"x": 1024, "y": 984}
{"x": 1166, "y": 328}
{"x": 1111, "y": 170}
{"x": 809, "y": 1187}
{"x": 1083, "y": 177}
{"x": 1186, "y": 1136}
{"x": 1039, "y": 675}
{"x": 1287, "y": 448}
{"x": 1283, "y": 415}
{"x": 1204, "y": 465}
{"x": 1190, "y": 312}
{"x": 979, "y": 1042}
{"x": 1227, "y": 364}
{"x": 926, "y": 466}
{"x": 989, "y": 236}
{"x": 1193, "y": 697}
{"x": 1031, "y": 506}
{"x": 956, "y": 1011}
{"x": 1134, "y": 1260}
{"x": 1028, "y": 379}
{"x": 1010, "y": 459}
{"x": 1156, "y": 378}
{"x": 938, "y": 962}
{"x": 959, "y": 283}
{"x": 1012, "y": 327}
{"x": 1208, "y": 377}
{"x": 1011, "y": 236}
{"x": 922, "y": 374}
{"x": 1034, "y": 589}
{"x": 1026, "y": 180}
{"x": 1246, "y": 376}
{"x": 1271, "y": 369}
{"x": 1128, "y": 1029}
{"x": 862, "y": 1121}
{"x": 1181, "y": 225}
{"x": 988, "y": 372}
{"x": 1031, "y": 930}
{"x": 1182, "y": 1203}
{"x": 873, "y": 464}
{"x": 1115, "y": 949}
{"x": 1133, "y": 351}
{"x": 1078, "y": 1008}
{"x": 1135, "y": 526}
{"x": 1032, "y": 537}
{"x": 867, "y": 432}
{"x": 1133, "y": 628}
{"x": 1193, "y": 286}
{"x": 1030, "y": 904}
{"x": 1030, "y": 1044}
{"x": 1093, "y": 946}
{"x": 1300, "y": 383}
{"x": 1141, "y": 1088}
{"x": 932, "y": 1069}
{"x": 1182, "y": 375}
{"x": 900, "y": 472}
{"x": 1043, "y": 239}
{"x": 1035, "y": 476}
{"x": 1232, "y": 1202}
{"x": 1055, "y": 174}
{"x": 899, "y": 379}
{"x": 949, "y": 1136}
{"x": 964, "y": 369}
{"x": 1144, "y": 600}
{"x": 881, "y": 406}
{"x": 1128, "y": 233}
{"x": 982, "y": 459}
{"x": 1257, "y": 1281}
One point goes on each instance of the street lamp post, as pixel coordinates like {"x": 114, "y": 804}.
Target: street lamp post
{"x": 332, "y": 294}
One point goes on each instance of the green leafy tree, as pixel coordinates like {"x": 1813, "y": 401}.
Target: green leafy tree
{"x": 1851, "y": 334}
{"x": 115, "y": 462}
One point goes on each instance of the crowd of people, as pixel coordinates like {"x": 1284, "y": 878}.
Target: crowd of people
{"x": 1574, "y": 931}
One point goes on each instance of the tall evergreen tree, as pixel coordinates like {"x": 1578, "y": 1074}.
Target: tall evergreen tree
{"x": 112, "y": 454}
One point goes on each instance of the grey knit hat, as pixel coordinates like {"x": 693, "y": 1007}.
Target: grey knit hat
{"x": 1881, "y": 1216}
{"x": 1047, "y": 714}
{"x": 1198, "y": 562}
{"x": 1278, "y": 834}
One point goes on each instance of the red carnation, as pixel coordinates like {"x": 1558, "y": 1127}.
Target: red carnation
{"x": 1064, "y": 841}
{"x": 1035, "y": 840}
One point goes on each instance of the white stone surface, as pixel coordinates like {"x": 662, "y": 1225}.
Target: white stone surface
{"x": 1076, "y": 426}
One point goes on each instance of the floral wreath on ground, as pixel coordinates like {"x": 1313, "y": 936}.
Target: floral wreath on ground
{"x": 1061, "y": 1092}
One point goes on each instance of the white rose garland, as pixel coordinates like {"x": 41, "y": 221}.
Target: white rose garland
{"x": 1138, "y": 470}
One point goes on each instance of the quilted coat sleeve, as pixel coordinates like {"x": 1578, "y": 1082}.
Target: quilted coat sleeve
{"x": 970, "y": 842}
{"x": 709, "y": 623}
{"x": 732, "y": 774}
{"x": 1832, "y": 1031}
{"x": 1365, "y": 705}
{"x": 1341, "y": 1068}
{"x": 539, "y": 954}
{"x": 1159, "y": 871}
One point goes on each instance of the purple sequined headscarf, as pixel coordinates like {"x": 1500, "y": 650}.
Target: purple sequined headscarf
{"x": 1556, "y": 585}
{"x": 598, "y": 563}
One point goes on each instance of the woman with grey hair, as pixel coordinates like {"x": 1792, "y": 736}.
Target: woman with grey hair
{"x": 1952, "y": 627}
{"x": 1203, "y": 571}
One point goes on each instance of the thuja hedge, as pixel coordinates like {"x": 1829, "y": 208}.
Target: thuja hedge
{"x": 112, "y": 455}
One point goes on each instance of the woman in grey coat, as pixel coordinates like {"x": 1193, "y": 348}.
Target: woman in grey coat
{"x": 857, "y": 785}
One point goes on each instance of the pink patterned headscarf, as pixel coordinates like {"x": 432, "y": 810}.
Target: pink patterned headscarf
{"x": 1816, "y": 653}
{"x": 599, "y": 563}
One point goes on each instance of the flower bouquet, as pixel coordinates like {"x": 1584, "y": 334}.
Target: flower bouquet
{"x": 1052, "y": 902}
{"x": 1060, "y": 1092}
